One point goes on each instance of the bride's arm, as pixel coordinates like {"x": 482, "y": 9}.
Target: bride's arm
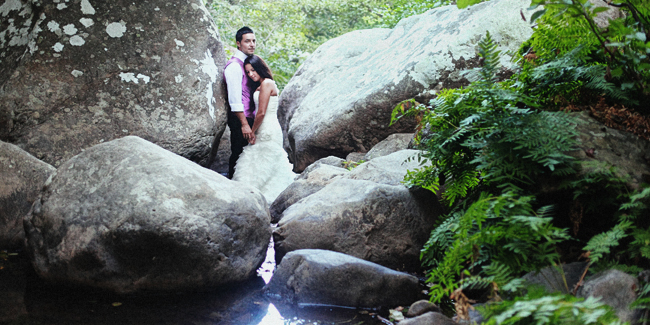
{"x": 266, "y": 88}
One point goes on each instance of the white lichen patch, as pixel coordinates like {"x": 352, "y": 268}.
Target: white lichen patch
{"x": 131, "y": 77}
{"x": 53, "y": 26}
{"x": 156, "y": 9}
{"x": 77, "y": 40}
{"x": 87, "y": 22}
{"x": 179, "y": 43}
{"x": 61, "y": 6}
{"x": 10, "y": 5}
{"x": 87, "y": 8}
{"x": 178, "y": 78}
{"x": 77, "y": 73}
{"x": 33, "y": 35}
{"x": 17, "y": 36}
{"x": 116, "y": 29}
{"x": 144, "y": 78}
{"x": 32, "y": 46}
{"x": 156, "y": 57}
{"x": 69, "y": 29}
{"x": 128, "y": 77}
{"x": 210, "y": 68}
{"x": 58, "y": 47}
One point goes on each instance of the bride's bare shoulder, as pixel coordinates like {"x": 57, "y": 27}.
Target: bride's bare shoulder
{"x": 269, "y": 84}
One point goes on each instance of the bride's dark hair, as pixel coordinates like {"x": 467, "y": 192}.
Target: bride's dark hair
{"x": 260, "y": 67}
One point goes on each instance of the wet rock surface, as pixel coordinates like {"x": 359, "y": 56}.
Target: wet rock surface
{"x": 420, "y": 307}
{"x": 313, "y": 276}
{"x": 430, "y": 318}
{"x": 129, "y": 216}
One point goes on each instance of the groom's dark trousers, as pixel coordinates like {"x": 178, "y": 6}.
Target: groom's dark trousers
{"x": 237, "y": 141}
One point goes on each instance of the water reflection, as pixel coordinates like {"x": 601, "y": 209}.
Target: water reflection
{"x": 272, "y": 317}
{"x": 27, "y": 300}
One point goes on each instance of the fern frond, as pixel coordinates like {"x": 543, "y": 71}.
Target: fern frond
{"x": 599, "y": 245}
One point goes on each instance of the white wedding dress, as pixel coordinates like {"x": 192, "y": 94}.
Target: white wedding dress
{"x": 265, "y": 164}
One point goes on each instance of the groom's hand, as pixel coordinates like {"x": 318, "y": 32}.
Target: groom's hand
{"x": 248, "y": 133}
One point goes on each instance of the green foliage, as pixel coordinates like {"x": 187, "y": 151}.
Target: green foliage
{"x": 489, "y": 137}
{"x": 461, "y": 4}
{"x": 623, "y": 47}
{"x": 281, "y": 42}
{"x": 490, "y": 243}
{"x": 598, "y": 180}
{"x": 556, "y": 34}
{"x": 350, "y": 165}
{"x": 487, "y": 133}
{"x": 601, "y": 244}
{"x": 394, "y": 11}
{"x": 565, "y": 79}
{"x": 632, "y": 223}
{"x": 288, "y": 31}
{"x": 643, "y": 300}
{"x": 636, "y": 211}
{"x": 538, "y": 307}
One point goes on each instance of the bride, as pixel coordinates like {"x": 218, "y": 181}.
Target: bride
{"x": 264, "y": 163}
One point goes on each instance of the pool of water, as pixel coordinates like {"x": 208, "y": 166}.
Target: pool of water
{"x": 25, "y": 299}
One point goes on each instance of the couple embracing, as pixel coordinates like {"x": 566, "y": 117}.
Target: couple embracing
{"x": 257, "y": 158}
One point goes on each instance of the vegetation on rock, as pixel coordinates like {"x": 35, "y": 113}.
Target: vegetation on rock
{"x": 492, "y": 144}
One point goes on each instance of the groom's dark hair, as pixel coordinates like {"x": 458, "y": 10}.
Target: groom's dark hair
{"x": 241, "y": 32}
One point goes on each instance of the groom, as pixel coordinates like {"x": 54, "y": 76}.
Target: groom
{"x": 241, "y": 115}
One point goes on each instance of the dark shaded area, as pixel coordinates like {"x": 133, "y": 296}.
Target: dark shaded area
{"x": 27, "y": 300}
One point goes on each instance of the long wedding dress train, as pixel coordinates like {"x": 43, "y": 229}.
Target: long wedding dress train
{"x": 265, "y": 164}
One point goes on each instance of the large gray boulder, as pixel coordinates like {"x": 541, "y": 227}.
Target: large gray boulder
{"x": 317, "y": 277}
{"x": 129, "y": 216}
{"x": 384, "y": 224}
{"x": 340, "y": 100}
{"x": 94, "y": 71}
{"x": 22, "y": 178}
